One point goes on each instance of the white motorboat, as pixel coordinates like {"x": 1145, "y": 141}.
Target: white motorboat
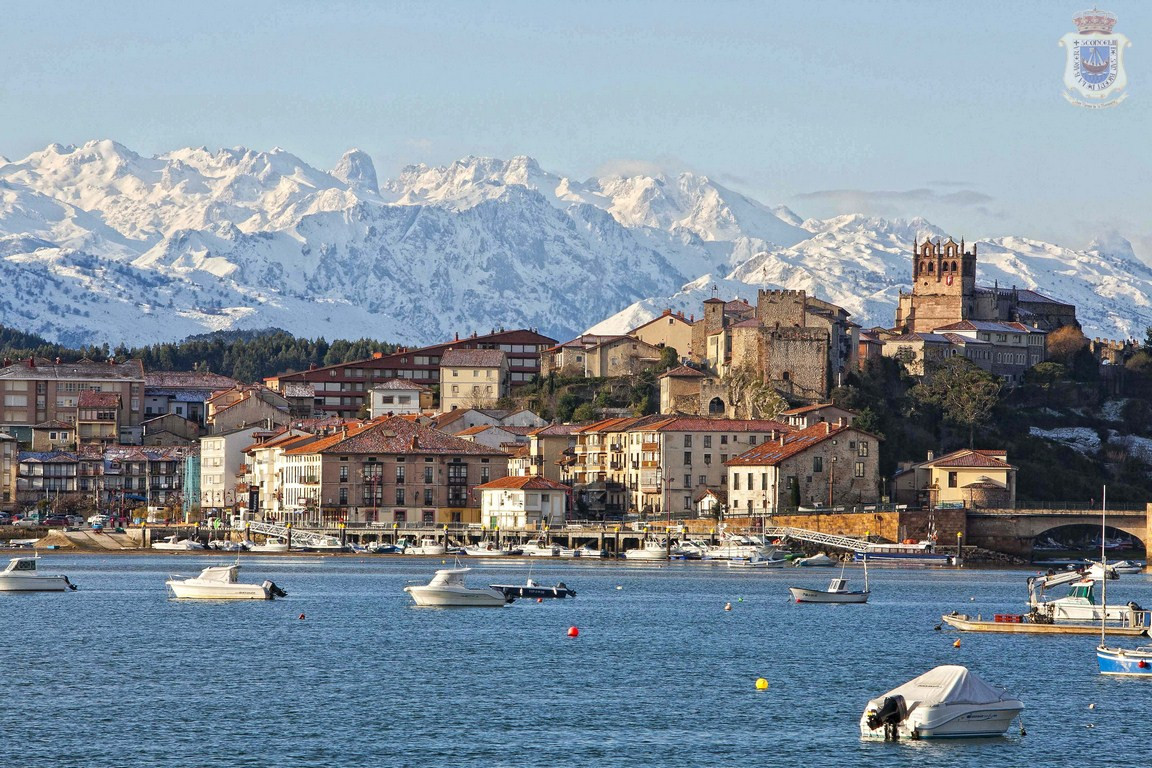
{"x": 745, "y": 547}
{"x": 325, "y": 544}
{"x": 218, "y": 582}
{"x": 947, "y": 702}
{"x": 540, "y": 548}
{"x": 1128, "y": 566}
{"x": 837, "y": 591}
{"x": 177, "y": 544}
{"x": 427, "y": 546}
{"x": 693, "y": 549}
{"x": 652, "y": 549}
{"x": 1096, "y": 571}
{"x": 447, "y": 588}
{"x": 758, "y": 561}
{"x": 269, "y": 545}
{"x": 224, "y": 545}
{"x": 486, "y": 548}
{"x": 816, "y": 561}
{"x": 590, "y": 550}
{"x": 21, "y": 575}
{"x": 1080, "y": 605}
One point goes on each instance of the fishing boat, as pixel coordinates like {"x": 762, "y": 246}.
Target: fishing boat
{"x": 947, "y": 702}
{"x": 447, "y": 589}
{"x": 177, "y": 544}
{"x": 837, "y": 591}
{"x": 1114, "y": 660}
{"x": 220, "y": 582}
{"x": 22, "y": 575}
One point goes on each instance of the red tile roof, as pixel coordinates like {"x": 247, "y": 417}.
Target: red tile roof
{"x": 683, "y": 372}
{"x": 473, "y": 358}
{"x": 523, "y": 483}
{"x": 971, "y": 458}
{"x": 807, "y": 408}
{"x": 98, "y": 400}
{"x": 396, "y": 436}
{"x": 187, "y": 380}
{"x": 772, "y": 452}
{"x": 698, "y": 424}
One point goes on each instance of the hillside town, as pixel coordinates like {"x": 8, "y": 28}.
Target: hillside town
{"x": 745, "y": 426}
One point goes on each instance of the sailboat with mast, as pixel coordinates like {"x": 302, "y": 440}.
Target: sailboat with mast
{"x": 1113, "y": 660}
{"x": 837, "y": 591}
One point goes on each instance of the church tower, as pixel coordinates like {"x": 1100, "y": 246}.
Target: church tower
{"x": 943, "y": 286}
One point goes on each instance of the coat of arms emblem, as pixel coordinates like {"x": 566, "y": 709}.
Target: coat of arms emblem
{"x": 1094, "y": 72}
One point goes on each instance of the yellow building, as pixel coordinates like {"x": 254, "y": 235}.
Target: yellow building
{"x": 966, "y": 478}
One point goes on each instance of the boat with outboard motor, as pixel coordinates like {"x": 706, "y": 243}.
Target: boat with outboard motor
{"x": 486, "y": 548}
{"x": 837, "y": 591}
{"x": 759, "y": 561}
{"x": 269, "y": 545}
{"x": 426, "y": 546}
{"x": 447, "y": 589}
{"x": 533, "y": 589}
{"x": 820, "y": 560}
{"x": 947, "y": 702}
{"x": 908, "y": 552}
{"x": 1128, "y": 566}
{"x": 22, "y": 575}
{"x": 539, "y": 548}
{"x": 177, "y": 544}
{"x": 1114, "y": 660}
{"x": 650, "y": 549}
{"x": 220, "y": 582}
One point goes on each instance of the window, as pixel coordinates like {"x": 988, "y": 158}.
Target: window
{"x": 736, "y": 481}
{"x": 687, "y": 502}
{"x": 428, "y": 496}
{"x": 749, "y": 481}
{"x": 343, "y": 496}
{"x": 858, "y": 470}
{"x": 723, "y": 458}
{"x": 764, "y": 481}
{"x": 687, "y": 481}
{"x": 751, "y": 439}
{"x": 687, "y": 458}
{"x": 687, "y": 441}
{"x": 707, "y": 441}
{"x": 817, "y": 463}
{"x": 399, "y": 495}
{"x": 952, "y": 480}
{"x": 707, "y": 458}
{"x": 428, "y": 475}
{"x": 862, "y": 448}
{"x": 400, "y": 476}
{"x": 703, "y": 479}
{"x": 343, "y": 473}
{"x": 723, "y": 439}
{"x": 485, "y": 474}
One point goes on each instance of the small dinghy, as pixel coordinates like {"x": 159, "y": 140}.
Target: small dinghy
{"x": 947, "y": 702}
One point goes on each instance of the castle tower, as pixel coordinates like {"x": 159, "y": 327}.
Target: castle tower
{"x": 943, "y": 286}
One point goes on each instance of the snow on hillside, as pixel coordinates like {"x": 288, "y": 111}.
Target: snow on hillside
{"x": 98, "y": 243}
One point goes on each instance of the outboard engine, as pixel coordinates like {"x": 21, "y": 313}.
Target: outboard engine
{"x": 274, "y": 590}
{"x": 71, "y": 586}
{"x": 890, "y": 714}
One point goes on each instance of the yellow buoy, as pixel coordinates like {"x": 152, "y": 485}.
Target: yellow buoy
{"x": 727, "y": 606}
{"x": 761, "y": 684}
{"x": 956, "y": 644}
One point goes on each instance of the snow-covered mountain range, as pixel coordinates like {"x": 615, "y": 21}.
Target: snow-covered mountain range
{"x": 98, "y": 243}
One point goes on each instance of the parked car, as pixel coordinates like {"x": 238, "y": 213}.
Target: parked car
{"x": 56, "y": 521}
{"x": 29, "y": 521}
{"x": 5, "y": 518}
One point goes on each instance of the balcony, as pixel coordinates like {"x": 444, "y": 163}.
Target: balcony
{"x": 243, "y": 470}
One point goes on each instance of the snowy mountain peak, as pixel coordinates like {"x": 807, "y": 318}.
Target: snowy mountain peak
{"x": 357, "y": 171}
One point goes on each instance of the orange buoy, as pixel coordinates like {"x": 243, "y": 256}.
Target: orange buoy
{"x": 956, "y": 644}
{"x": 573, "y": 632}
{"x": 539, "y": 599}
{"x": 301, "y": 617}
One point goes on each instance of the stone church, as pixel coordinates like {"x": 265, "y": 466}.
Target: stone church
{"x": 944, "y": 292}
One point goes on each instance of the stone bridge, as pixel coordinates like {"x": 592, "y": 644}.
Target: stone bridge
{"x": 1015, "y": 530}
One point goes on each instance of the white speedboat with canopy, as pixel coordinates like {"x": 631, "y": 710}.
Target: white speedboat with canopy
{"x": 947, "y": 702}
{"x": 21, "y": 575}
{"x": 220, "y": 582}
{"x": 447, "y": 589}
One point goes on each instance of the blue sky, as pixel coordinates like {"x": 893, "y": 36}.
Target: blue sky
{"x": 948, "y": 110}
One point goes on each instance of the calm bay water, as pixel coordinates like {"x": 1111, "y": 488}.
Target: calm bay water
{"x": 118, "y": 675}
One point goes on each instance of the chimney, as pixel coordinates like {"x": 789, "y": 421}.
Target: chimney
{"x": 57, "y": 361}
{"x": 931, "y": 455}
{"x": 827, "y": 427}
{"x": 31, "y": 362}
{"x": 414, "y": 445}
{"x": 781, "y": 439}
{"x": 377, "y": 355}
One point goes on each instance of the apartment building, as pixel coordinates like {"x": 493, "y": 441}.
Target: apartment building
{"x": 473, "y": 378}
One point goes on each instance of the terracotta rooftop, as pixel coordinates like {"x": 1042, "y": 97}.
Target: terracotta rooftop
{"x": 970, "y": 458}
{"x": 555, "y": 429}
{"x": 52, "y": 424}
{"x": 473, "y": 358}
{"x": 523, "y": 483}
{"x": 98, "y": 400}
{"x": 396, "y": 436}
{"x": 401, "y": 384}
{"x": 772, "y": 452}
{"x": 187, "y": 380}
{"x": 807, "y": 409}
{"x": 698, "y": 424}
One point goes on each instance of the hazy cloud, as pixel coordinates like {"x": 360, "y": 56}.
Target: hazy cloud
{"x": 628, "y": 168}
{"x": 869, "y": 198}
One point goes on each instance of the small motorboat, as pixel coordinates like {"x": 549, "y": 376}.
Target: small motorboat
{"x": 269, "y": 545}
{"x": 447, "y": 589}
{"x": 945, "y": 702}
{"x": 224, "y": 545}
{"x": 532, "y": 589}
{"x": 758, "y": 561}
{"x": 590, "y": 550}
{"x": 1128, "y": 566}
{"x": 837, "y": 591}
{"x": 486, "y": 548}
{"x": 383, "y": 548}
{"x": 652, "y": 549}
{"x": 218, "y": 582}
{"x": 427, "y": 546}
{"x": 177, "y": 544}
{"x": 816, "y": 561}
{"x": 1125, "y": 661}
{"x": 539, "y": 548}
{"x": 21, "y": 575}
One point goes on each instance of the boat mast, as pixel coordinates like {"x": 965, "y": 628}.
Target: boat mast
{"x": 1103, "y": 566}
